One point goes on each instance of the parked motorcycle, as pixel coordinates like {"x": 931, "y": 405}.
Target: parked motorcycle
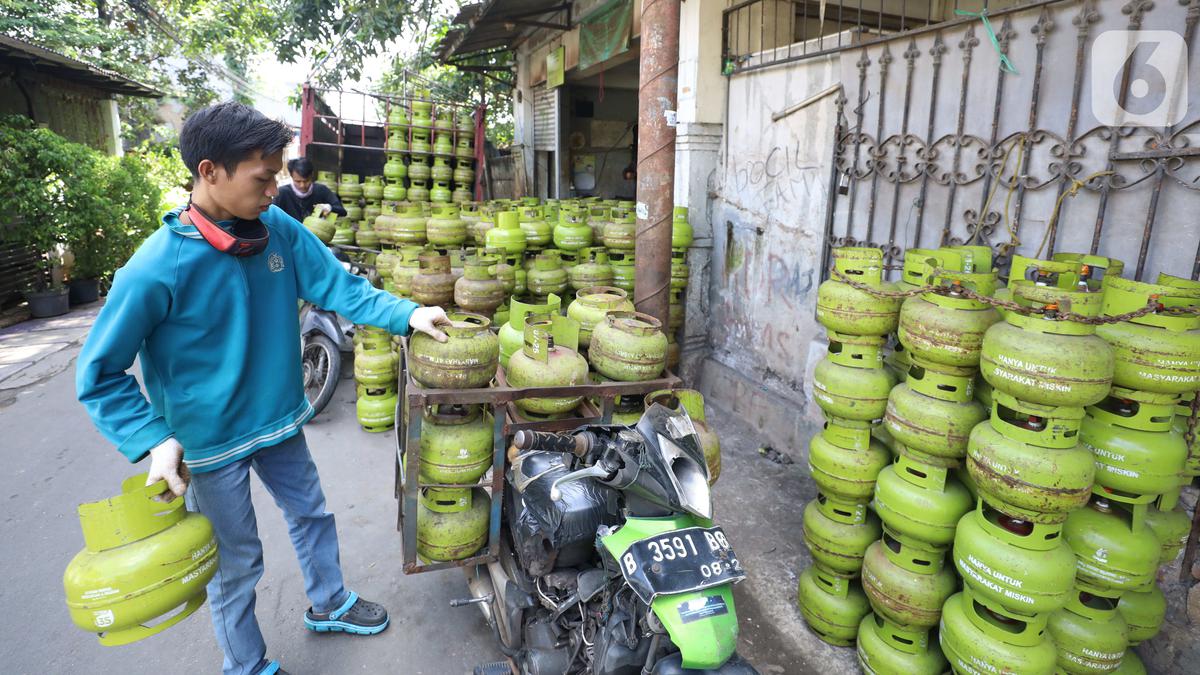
{"x": 609, "y": 560}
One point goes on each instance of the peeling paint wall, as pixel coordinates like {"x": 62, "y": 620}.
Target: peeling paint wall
{"x": 767, "y": 216}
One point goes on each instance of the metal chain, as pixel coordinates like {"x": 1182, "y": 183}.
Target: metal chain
{"x": 1153, "y": 306}
{"x": 1190, "y": 435}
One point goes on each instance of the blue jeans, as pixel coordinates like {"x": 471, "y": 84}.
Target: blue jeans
{"x": 223, "y": 495}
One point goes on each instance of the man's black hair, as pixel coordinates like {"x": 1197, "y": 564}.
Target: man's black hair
{"x": 227, "y": 133}
{"x": 302, "y": 166}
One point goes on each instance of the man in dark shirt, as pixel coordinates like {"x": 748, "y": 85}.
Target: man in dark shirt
{"x": 304, "y": 194}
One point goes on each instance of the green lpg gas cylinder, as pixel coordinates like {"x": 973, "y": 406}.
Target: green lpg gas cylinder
{"x": 1044, "y": 360}
{"x": 1156, "y": 353}
{"x": 592, "y": 304}
{"x": 886, "y": 649}
{"x": 832, "y": 606}
{"x": 444, "y": 227}
{"x": 512, "y": 333}
{"x": 628, "y": 347}
{"x": 409, "y": 225}
{"x": 1113, "y": 550}
{"x": 572, "y": 232}
{"x": 537, "y": 231}
{"x": 1094, "y": 268}
{"x": 844, "y": 460}
{"x": 975, "y": 638}
{"x": 1021, "y": 568}
{"x": 593, "y": 269}
{"x": 620, "y": 234}
{"x": 349, "y": 186}
{"x": 851, "y": 381}
{"x": 679, "y": 268}
{"x": 440, "y": 171}
{"x": 452, "y": 523}
{"x": 466, "y": 360}
{"x": 682, "y": 234}
{"x": 676, "y": 311}
{"x": 932, "y": 414}
{"x": 434, "y": 282}
{"x": 487, "y": 221}
{"x": 911, "y": 596}
{"x": 1144, "y": 610}
{"x": 920, "y": 503}
{"x": 542, "y": 363}
{"x": 692, "y": 401}
{"x": 343, "y": 234}
{"x": 547, "y": 276}
{"x": 1021, "y": 466}
{"x": 366, "y": 236}
{"x": 479, "y": 290}
{"x": 376, "y": 408}
{"x": 1171, "y": 527}
{"x": 395, "y": 169}
{"x": 395, "y": 191}
{"x": 373, "y": 188}
{"x": 1138, "y": 455}
{"x": 948, "y": 328}
{"x": 375, "y": 368}
{"x": 838, "y": 534}
{"x": 623, "y": 268}
{"x": 507, "y": 234}
{"x": 440, "y": 192}
{"x": 1090, "y": 634}
{"x": 142, "y": 559}
{"x": 599, "y": 216}
{"x": 845, "y": 309}
{"x": 456, "y": 444}
{"x": 407, "y": 266}
{"x": 324, "y": 228}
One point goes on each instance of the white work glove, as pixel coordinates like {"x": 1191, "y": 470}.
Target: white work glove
{"x": 166, "y": 463}
{"x": 325, "y": 209}
{"x": 426, "y": 319}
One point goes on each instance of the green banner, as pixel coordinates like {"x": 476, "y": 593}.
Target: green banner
{"x": 554, "y": 67}
{"x": 605, "y": 33}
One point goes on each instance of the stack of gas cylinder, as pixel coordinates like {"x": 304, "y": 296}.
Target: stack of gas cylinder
{"x": 1030, "y": 472}
{"x": 456, "y": 446}
{"x": 851, "y": 386}
{"x": 1042, "y": 447}
{"x": 375, "y": 357}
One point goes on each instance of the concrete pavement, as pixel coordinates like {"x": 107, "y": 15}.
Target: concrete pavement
{"x": 55, "y": 459}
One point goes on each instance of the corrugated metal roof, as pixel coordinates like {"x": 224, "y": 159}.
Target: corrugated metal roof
{"x": 495, "y": 24}
{"x": 60, "y": 65}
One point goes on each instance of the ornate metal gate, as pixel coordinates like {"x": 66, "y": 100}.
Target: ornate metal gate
{"x": 939, "y": 141}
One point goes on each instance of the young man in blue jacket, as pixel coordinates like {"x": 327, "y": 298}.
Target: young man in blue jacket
{"x": 208, "y": 304}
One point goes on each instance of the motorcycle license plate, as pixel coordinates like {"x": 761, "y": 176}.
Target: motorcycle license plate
{"x": 681, "y": 561}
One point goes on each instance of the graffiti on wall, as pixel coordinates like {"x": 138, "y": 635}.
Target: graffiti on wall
{"x": 780, "y": 178}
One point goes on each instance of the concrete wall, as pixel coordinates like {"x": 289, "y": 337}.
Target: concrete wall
{"x": 767, "y": 216}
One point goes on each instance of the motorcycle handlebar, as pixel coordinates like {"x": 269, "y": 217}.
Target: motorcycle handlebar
{"x": 548, "y": 442}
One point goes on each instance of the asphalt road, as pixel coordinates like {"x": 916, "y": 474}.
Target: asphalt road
{"x": 55, "y": 459}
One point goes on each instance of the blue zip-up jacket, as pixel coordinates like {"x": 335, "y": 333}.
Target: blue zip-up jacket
{"x": 219, "y": 341}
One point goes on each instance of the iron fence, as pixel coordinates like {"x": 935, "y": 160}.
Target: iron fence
{"x": 762, "y": 33}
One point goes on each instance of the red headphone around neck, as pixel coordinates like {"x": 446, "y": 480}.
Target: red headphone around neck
{"x": 222, "y": 237}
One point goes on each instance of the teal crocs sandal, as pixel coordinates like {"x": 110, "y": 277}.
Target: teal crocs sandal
{"x": 357, "y": 616}
{"x": 272, "y": 668}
